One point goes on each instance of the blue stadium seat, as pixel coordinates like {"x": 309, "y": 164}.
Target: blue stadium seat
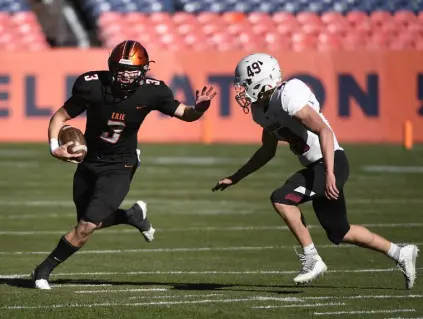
{"x": 319, "y": 7}
{"x": 292, "y": 7}
{"x": 243, "y": 6}
{"x": 221, "y": 7}
{"x": 94, "y": 7}
{"x": 267, "y": 7}
{"x": 197, "y": 6}
{"x": 14, "y": 6}
{"x": 341, "y": 7}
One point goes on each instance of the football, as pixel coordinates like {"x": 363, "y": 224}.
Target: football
{"x": 68, "y": 134}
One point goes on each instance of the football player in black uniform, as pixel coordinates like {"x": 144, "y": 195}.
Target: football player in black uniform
{"x": 116, "y": 103}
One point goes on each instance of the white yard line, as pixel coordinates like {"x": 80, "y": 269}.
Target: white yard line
{"x": 36, "y": 216}
{"x": 200, "y": 229}
{"x": 365, "y": 297}
{"x": 173, "y": 250}
{"x": 153, "y": 303}
{"x": 175, "y": 296}
{"x": 118, "y": 290}
{"x": 79, "y": 285}
{"x": 325, "y": 304}
{"x": 209, "y": 272}
{"x": 392, "y": 169}
{"x": 153, "y": 250}
{"x": 203, "y": 211}
{"x": 362, "y": 312}
{"x": 18, "y": 152}
{"x": 302, "y": 299}
{"x": 178, "y": 203}
{"x": 137, "y": 304}
{"x": 17, "y": 164}
{"x": 126, "y": 203}
{"x": 204, "y": 161}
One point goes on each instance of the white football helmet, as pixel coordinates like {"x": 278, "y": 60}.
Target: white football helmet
{"x": 255, "y": 74}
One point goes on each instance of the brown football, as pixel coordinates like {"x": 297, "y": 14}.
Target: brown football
{"x": 72, "y": 134}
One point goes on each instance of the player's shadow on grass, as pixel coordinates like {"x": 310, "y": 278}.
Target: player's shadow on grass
{"x": 18, "y": 282}
{"x": 231, "y": 287}
{"x": 27, "y": 283}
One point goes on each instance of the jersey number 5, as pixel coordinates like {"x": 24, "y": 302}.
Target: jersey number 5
{"x": 116, "y": 129}
{"x": 297, "y": 145}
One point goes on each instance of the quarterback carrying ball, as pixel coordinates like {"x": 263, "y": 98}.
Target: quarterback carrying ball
{"x": 116, "y": 102}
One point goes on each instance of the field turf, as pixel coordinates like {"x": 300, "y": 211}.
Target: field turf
{"x": 216, "y": 255}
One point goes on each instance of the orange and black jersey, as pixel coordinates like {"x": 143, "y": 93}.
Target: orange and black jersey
{"x": 113, "y": 119}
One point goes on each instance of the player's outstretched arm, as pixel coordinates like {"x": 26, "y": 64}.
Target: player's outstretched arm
{"x": 202, "y": 104}
{"x": 260, "y": 158}
{"x": 56, "y": 123}
{"x": 311, "y": 119}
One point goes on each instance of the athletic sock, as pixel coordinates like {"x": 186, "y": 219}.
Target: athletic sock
{"x": 310, "y": 250}
{"x": 394, "y": 251}
{"x": 62, "y": 252}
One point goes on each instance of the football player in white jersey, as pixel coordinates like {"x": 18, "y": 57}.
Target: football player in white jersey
{"x": 289, "y": 111}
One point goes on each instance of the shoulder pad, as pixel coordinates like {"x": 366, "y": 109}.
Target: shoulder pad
{"x": 89, "y": 79}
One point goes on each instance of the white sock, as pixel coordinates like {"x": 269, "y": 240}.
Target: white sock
{"x": 310, "y": 250}
{"x": 394, "y": 251}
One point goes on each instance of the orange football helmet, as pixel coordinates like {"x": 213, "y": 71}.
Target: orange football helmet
{"x": 129, "y": 63}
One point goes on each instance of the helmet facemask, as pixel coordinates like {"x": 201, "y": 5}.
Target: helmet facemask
{"x": 127, "y": 77}
{"x": 242, "y": 97}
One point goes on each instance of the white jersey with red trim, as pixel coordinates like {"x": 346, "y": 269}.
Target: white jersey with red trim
{"x": 278, "y": 120}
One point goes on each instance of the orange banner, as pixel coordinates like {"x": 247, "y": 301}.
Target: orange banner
{"x": 367, "y": 97}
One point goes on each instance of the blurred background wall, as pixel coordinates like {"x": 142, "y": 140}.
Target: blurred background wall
{"x": 362, "y": 58}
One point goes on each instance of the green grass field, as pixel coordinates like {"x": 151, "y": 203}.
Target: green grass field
{"x": 216, "y": 255}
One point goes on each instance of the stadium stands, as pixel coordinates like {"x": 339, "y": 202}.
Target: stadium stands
{"x": 19, "y": 27}
{"x": 231, "y": 24}
{"x": 258, "y": 30}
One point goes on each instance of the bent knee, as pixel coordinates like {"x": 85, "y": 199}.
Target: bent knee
{"x": 336, "y": 233}
{"x": 288, "y": 212}
{"x": 86, "y": 228}
{"x": 283, "y": 207}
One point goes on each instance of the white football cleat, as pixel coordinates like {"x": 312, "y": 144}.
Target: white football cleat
{"x": 312, "y": 267}
{"x": 148, "y": 234}
{"x": 40, "y": 283}
{"x": 407, "y": 264}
